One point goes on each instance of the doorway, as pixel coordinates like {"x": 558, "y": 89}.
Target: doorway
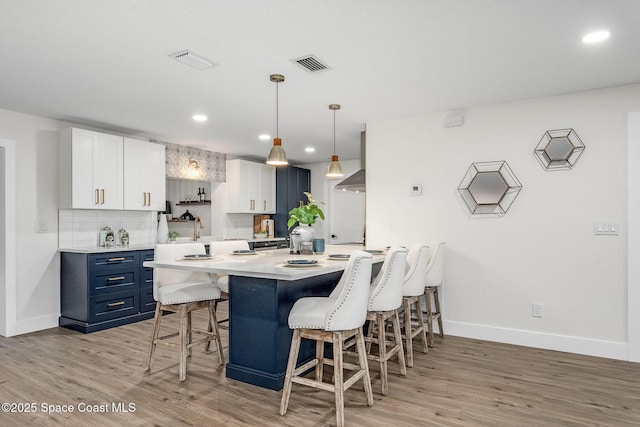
{"x": 347, "y": 216}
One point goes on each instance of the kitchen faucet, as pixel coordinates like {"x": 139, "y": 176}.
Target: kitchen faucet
{"x": 196, "y": 233}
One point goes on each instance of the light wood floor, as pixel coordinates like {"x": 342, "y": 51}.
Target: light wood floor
{"x": 461, "y": 382}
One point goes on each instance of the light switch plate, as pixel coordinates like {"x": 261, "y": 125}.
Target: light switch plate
{"x": 606, "y": 227}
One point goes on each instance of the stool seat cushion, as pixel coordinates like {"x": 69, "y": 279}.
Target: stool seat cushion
{"x": 191, "y": 291}
{"x": 310, "y": 312}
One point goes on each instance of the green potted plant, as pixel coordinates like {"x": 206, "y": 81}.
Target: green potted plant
{"x": 305, "y": 215}
{"x": 173, "y": 235}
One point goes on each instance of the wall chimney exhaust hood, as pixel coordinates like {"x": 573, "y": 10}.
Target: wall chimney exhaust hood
{"x": 356, "y": 182}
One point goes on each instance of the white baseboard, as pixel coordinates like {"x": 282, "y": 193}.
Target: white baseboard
{"x": 39, "y": 323}
{"x": 569, "y": 344}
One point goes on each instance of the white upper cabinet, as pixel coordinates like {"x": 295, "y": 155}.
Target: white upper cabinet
{"x": 91, "y": 170}
{"x": 101, "y": 171}
{"x": 144, "y": 175}
{"x": 251, "y": 187}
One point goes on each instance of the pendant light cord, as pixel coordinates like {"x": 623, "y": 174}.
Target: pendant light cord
{"x": 334, "y": 131}
{"x": 277, "y": 113}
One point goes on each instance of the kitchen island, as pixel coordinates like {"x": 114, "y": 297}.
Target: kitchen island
{"x": 262, "y": 290}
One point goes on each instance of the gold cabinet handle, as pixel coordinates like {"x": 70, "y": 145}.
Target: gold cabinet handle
{"x": 149, "y": 196}
{"x": 97, "y": 196}
{"x": 115, "y": 259}
{"x": 265, "y": 205}
{"x": 102, "y": 196}
{"x": 111, "y": 279}
{"x": 115, "y": 304}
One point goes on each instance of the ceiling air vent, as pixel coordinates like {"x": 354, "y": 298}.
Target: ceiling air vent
{"x": 192, "y": 59}
{"x": 311, "y": 63}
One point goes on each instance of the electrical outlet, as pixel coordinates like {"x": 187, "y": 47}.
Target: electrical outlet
{"x": 538, "y": 310}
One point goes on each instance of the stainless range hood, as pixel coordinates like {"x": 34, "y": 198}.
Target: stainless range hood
{"x": 356, "y": 182}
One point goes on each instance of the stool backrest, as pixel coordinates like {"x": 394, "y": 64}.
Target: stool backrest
{"x": 171, "y": 276}
{"x": 351, "y": 295}
{"x": 435, "y": 269}
{"x": 225, "y": 247}
{"x": 386, "y": 291}
{"x": 416, "y": 276}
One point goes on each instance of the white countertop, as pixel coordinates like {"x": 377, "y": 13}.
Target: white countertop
{"x": 99, "y": 249}
{"x": 268, "y": 264}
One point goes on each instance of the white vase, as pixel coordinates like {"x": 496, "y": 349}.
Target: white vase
{"x": 163, "y": 230}
{"x": 306, "y": 232}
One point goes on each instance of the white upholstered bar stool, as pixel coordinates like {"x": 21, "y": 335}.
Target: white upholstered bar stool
{"x": 332, "y": 319}
{"x": 182, "y": 292}
{"x": 385, "y": 300}
{"x": 414, "y": 283}
{"x": 435, "y": 272}
{"x": 225, "y": 247}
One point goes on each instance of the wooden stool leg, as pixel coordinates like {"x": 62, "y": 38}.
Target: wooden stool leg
{"x": 213, "y": 324}
{"x": 427, "y": 297}
{"x": 291, "y": 366}
{"x": 362, "y": 358}
{"x": 189, "y": 333}
{"x": 154, "y": 335}
{"x": 408, "y": 332}
{"x": 183, "y": 341}
{"x": 437, "y": 303}
{"x": 382, "y": 350}
{"x": 395, "y": 322}
{"x": 320, "y": 360}
{"x": 423, "y": 336}
{"x": 338, "y": 376}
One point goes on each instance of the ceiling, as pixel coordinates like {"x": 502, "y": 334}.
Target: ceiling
{"x": 105, "y": 64}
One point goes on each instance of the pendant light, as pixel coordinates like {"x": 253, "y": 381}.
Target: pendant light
{"x": 334, "y": 170}
{"x": 277, "y": 156}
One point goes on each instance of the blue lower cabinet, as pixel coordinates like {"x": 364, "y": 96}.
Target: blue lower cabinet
{"x": 104, "y": 290}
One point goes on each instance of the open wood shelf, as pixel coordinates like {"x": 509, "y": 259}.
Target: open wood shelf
{"x": 184, "y": 203}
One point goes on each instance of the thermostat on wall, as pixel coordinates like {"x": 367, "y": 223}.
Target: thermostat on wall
{"x": 415, "y": 190}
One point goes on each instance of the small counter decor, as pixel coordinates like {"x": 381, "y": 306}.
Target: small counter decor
{"x": 559, "y": 149}
{"x": 305, "y": 215}
{"x": 172, "y": 236}
{"x": 489, "y": 188}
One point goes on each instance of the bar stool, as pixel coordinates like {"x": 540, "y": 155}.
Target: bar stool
{"x": 435, "y": 272}
{"x": 183, "y": 292}
{"x": 332, "y": 319}
{"x": 225, "y": 247}
{"x": 385, "y": 300}
{"x": 413, "y": 288}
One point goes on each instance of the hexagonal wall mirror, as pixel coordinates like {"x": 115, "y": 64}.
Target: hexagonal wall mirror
{"x": 559, "y": 149}
{"x": 489, "y": 188}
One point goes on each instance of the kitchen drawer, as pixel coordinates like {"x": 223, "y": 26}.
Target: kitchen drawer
{"x": 147, "y": 303}
{"x": 113, "y": 305}
{"x": 113, "y": 260}
{"x": 113, "y": 280}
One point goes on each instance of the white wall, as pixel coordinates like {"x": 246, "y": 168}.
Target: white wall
{"x": 37, "y": 290}
{"x": 544, "y": 249}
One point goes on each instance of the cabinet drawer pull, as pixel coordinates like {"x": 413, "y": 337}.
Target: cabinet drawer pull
{"x": 97, "y": 196}
{"x": 102, "y": 196}
{"x": 265, "y": 205}
{"x": 115, "y": 259}
{"x": 111, "y": 279}
{"x": 115, "y": 304}
{"x": 149, "y": 199}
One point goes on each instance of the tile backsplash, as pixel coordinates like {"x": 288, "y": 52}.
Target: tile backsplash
{"x": 78, "y": 228}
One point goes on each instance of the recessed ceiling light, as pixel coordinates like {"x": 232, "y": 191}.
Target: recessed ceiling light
{"x": 596, "y": 36}
{"x": 264, "y": 137}
{"x": 310, "y": 150}
{"x": 199, "y": 118}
